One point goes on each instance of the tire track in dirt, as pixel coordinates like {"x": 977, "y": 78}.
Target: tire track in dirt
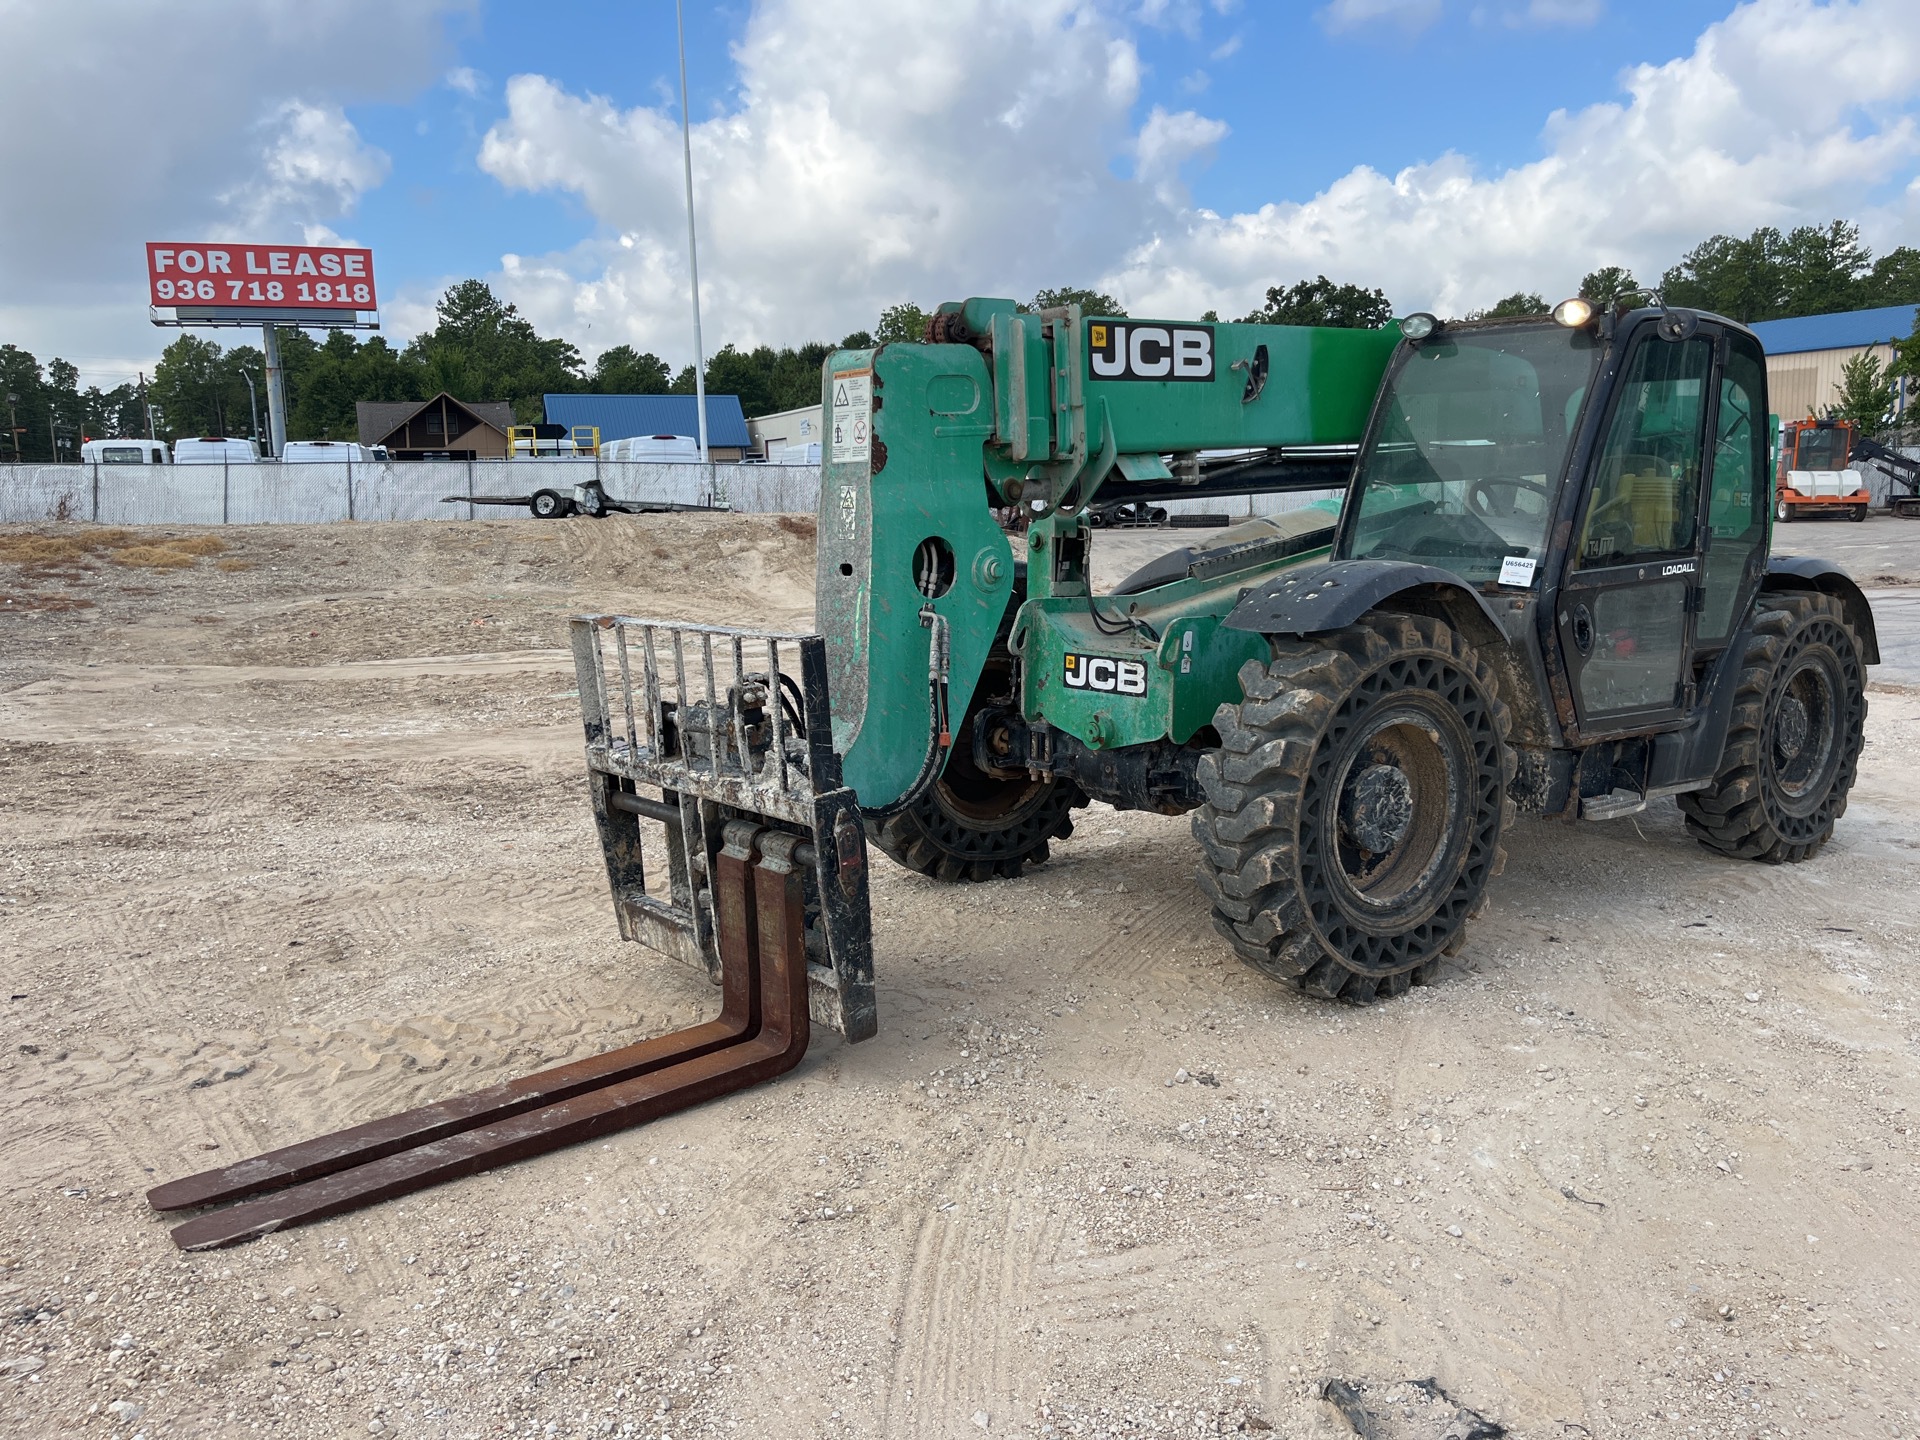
{"x": 967, "y": 1293}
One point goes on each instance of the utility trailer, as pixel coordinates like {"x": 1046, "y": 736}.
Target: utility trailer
{"x": 1548, "y": 587}
{"x": 587, "y": 498}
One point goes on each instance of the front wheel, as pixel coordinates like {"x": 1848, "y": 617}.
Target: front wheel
{"x": 1782, "y": 511}
{"x": 1793, "y": 745}
{"x": 1355, "y": 809}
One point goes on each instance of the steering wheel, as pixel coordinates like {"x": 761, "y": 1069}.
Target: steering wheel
{"x": 1482, "y": 501}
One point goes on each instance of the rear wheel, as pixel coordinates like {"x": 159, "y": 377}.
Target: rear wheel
{"x": 1355, "y": 808}
{"x": 973, "y": 825}
{"x": 549, "y": 505}
{"x": 1793, "y": 746}
{"x": 1857, "y": 514}
{"x": 1782, "y": 511}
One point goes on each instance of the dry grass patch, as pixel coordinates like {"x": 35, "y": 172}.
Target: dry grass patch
{"x": 43, "y": 553}
{"x": 151, "y": 557}
{"x": 233, "y": 567}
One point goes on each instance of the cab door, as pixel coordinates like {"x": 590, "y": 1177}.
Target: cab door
{"x": 1628, "y": 600}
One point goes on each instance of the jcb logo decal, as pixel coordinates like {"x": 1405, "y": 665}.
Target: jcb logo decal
{"x": 1104, "y": 673}
{"x": 1151, "y": 352}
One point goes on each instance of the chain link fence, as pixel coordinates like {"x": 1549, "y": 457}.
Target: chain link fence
{"x": 275, "y": 494}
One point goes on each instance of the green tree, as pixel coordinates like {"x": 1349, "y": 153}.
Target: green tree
{"x": 1864, "y": 395}
{"x": 1521, "y": 302}
{"x": 1895, "y": 279}
{"x": 1091, "y": 302}
{"x": 25, "y": 413}
{"x": 1608, "y": 286}
{"x": 194, "y": 392}
{"x": 1811, "y": 270}
{"x": 858, "y": 340}
{"x": 623, "y": 371}
{"x": 1825, "y": 270}
{"x": 901, "y": 324}
{"x": 482, "y": 349}
{"x": 1321, "y": 302}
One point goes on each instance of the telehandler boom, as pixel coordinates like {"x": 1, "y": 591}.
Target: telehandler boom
{"x": 1547, "y": 587}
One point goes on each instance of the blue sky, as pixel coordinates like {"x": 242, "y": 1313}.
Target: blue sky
{"x": 1182, "y": 154}
{"x": 1307, "y": 105}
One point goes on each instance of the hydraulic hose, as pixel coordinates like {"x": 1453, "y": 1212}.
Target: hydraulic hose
{"x": 940, "y": 730}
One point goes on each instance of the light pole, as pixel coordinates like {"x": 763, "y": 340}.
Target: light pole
{"x": 13, "y": 424}
{"x": 693, "y": 252}
{"x": 253, "y": 402}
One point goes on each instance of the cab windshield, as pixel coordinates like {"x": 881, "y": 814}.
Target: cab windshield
{"x": 1462, "y": 468}
{"x": 1821, "y": 449}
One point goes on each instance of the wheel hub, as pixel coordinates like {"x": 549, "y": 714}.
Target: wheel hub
{"x": 1377, "y": 808}
{"x": 1790, "y": 727}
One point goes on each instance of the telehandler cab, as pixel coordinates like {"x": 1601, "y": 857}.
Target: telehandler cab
{"x": 1547, "y": 587}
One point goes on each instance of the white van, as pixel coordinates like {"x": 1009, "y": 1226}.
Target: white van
{"x": 654, "y": 449}
{"x": 325, "y": 452}
{"x": 215, "y": 450}
{"x": 124, "y": 452}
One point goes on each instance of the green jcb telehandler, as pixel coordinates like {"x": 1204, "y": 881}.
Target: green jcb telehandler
{"x": 1546, "y": 586}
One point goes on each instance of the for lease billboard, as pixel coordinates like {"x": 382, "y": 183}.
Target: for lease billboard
{"x": 265, "y": 277}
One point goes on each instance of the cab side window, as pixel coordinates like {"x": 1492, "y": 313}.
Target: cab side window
{"x": 1646, "y": 490}
{"x": 1737, "y": 507}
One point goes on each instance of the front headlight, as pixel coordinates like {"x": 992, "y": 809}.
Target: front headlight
{"x": 1573, "y": 313}
{"x": 1419, "y": 325}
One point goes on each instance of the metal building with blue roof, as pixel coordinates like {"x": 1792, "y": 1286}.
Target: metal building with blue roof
{"x": 620, "y": 417}
{"x": 1806, "y": 354}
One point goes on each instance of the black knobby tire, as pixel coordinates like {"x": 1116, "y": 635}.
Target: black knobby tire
{"x": 936, "y": 838}
{"x": 1388, "y": 733}
{"x": 1793, "y": 744}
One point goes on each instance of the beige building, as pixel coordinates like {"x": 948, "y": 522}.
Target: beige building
{"x": 773, "y": 433}
{"x": 1805, "y": 355}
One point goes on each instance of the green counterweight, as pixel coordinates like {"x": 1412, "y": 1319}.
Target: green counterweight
{"x": 925, "y": 440}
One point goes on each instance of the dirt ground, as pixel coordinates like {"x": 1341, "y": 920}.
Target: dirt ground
{"x": 295, "y": 836}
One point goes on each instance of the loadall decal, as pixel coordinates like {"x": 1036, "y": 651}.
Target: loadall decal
{"x": 1104, "y": 673}
{"x": 1151, "y": 352}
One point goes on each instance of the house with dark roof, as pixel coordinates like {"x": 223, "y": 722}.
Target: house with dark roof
{"x": 1806, "y": 354}
{"x": 442, "y": 428}
{"x": 620, "y": 417}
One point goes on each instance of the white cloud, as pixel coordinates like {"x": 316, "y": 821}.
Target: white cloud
{"x": 467, "y": 80}
{"x": 1166, "y": 144}
{"x": 931, "y": 150}
{"x": 155, "y": 122}
{"x": 1701, "y": 145}
{"x": 314, "y": 163}
{"x": 1540, "y": 14}
{"x": 949, "y": 150}
{"x": 1410, "y": 16}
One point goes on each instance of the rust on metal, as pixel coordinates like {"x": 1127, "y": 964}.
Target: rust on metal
{"x": 762, "y": 1031}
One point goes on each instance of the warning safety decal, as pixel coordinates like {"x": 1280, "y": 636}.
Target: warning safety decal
{"x": 851, "y": 420}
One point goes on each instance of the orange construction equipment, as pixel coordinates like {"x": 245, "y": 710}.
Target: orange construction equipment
{"x": 1814, "y": 477}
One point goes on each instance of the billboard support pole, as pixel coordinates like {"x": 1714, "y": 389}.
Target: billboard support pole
{"x": 276, "y": 392}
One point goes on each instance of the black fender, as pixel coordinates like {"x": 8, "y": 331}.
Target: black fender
{"x": 1809, "y": 572}
{"x": 1314, "y": 599}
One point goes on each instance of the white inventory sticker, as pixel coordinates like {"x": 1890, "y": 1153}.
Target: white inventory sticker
{"x": 1516, "y": 570}
{"x": 852, "y": 417}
